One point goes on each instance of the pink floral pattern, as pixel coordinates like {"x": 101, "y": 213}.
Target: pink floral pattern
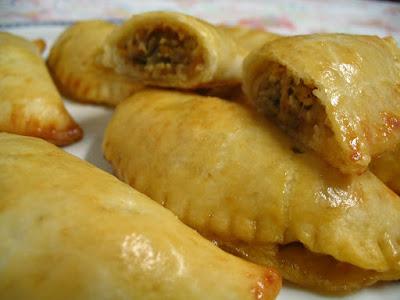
{"x": 284, "y": 16}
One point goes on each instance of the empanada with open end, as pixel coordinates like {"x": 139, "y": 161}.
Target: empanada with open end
{"x": 338, "y": 94}
{"x": 174, "y": 50}
{"x": 236, "y": 178}
{"x": 73, "y": 64}
{"x": 29, "y": 102}
{"x": 71, "y": 231}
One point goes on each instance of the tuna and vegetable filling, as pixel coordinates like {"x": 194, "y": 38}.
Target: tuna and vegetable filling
{"x": 163, "y": 51}
{"x": 292, "y": 103}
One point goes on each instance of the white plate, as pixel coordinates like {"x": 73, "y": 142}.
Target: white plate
{"x": 93, "y": 120}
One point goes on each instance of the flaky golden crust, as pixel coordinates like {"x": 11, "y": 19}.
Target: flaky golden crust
{"x": 29, "y": 101}
{"x": 234, "y": 176}
{"x": 71, "y": 231}
{"x": 356, "y": 80}
{"x": 217, "y": 60}
{"x": 73, "y": 64}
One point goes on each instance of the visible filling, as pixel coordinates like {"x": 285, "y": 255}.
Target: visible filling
{"x": 294, "y": 105}
{"x": 164, "y": 51}
{"x": 297, "y": 264}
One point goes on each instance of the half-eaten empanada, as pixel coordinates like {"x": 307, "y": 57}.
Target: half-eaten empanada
{"x": 171, "y": 49}
{"x": 29, "y": 102}
{"x": 236, "y": 178}
{"x": 71, "y": 231}
{"x": 73, "y": 64}
{"x": 338, "y": 94}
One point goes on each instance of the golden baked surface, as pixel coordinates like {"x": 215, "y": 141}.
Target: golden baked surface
{"x": 235, "y": 177}
{"x": 339, "y": 94}
{"x": 78, "y": 75}
{"x": 71, "y": 231}
{"x": 29, "y": 101}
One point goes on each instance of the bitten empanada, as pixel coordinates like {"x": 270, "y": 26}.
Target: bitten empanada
{"x": 171, "y": 49}
{"x": 338, "y": 94}
{"x": 73, "y": 64}
{"x": 235, "y": 177}
{"x": 71, "y": 231}
{"x": 29, "y": 101}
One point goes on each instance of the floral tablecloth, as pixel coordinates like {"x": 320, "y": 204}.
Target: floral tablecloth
{"x": 284, "y": 16}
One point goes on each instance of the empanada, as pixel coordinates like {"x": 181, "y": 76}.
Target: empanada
{"x": 339, "y": 94}
{"x": 71, "y": 231}
{"x": 171, "y": 49}
{"x": 236, "y": 178}
{"x": 29, "y": 101}
{"x": 73, "y": 64}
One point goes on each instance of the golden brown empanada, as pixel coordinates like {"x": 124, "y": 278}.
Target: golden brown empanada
{"x": 73, "y": 64}
{"x": 236, "y": 178}
{"x": 29, "y": 101}
{"x": 71, "y": 231}
{"x": 171, "y": 49}
{"x": 339, "y": 94}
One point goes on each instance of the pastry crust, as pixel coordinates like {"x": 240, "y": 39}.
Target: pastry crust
{"x": 236, "y": 178}
{"x": 171, "y": 49}
{"x": 73, "y": 64}
{"x": 67, "y": 238}
{"x": 345, "y": 105}
{"x": 29, "y": 101}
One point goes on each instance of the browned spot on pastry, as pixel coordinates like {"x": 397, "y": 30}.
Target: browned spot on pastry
{"x": 391, "y": 121}
{"x": 269, "y": 286}
{"x": 40, "y": 44}
{"x": 25, "y": 125}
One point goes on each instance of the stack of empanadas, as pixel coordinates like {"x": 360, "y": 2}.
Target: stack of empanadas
{"x": 95, "y": 61}
{"x": 304, "y": 203}
{"x": 70, "y": 231}
{"x": 280, "y": 176}
{"x": 240, "y": 181}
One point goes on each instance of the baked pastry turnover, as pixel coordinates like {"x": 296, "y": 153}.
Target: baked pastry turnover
{"x": 171, "y": 49}
{"x": 338, "y": 94}
{"x": 29, "y": 101}
{"x": 73, "y": 64}
{"x": 236, "y": 178}
{"x": 71, "y": 231}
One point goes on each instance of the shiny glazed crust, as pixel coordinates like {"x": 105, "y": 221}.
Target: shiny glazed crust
{"x": 234, "y": 176}
{"x": 63, "y": 237}
{"x": 354, "y": 79}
